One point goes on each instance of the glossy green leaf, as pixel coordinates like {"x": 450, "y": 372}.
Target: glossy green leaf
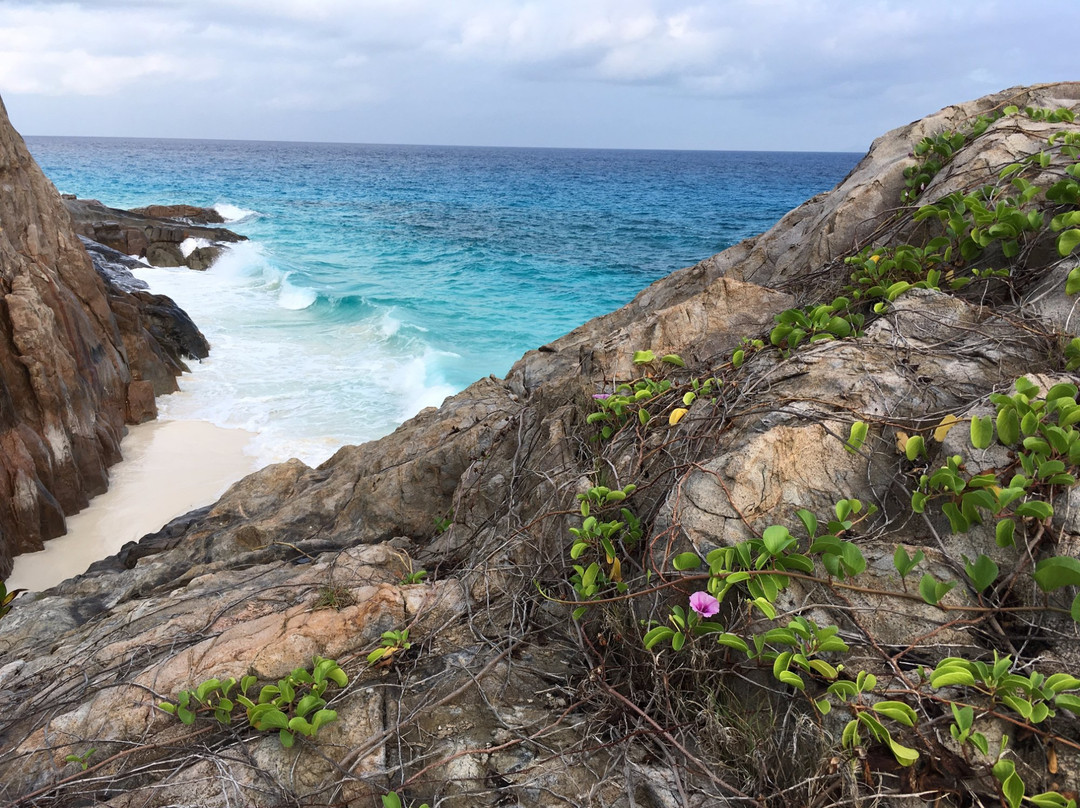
{"x": 856, "y": 436}
{"x": 982, "y": 431}
{"x": 686, "y": 561}
{"x": 1008, "y": 426}
{"x": 1066, "y": 243}
{"x": 982, "y": 572}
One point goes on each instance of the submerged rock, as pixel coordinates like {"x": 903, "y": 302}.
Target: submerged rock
{"x": 486, "y": 692}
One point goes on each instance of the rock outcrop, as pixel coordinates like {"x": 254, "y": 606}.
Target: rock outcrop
{"x": 156, "y": 233}
{"x": 78, "y": 359}
{"x": 495, "y": 695}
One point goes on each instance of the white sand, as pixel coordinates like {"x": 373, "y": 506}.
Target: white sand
{"x": 169, "y": 468}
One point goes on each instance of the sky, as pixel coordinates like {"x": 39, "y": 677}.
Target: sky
{"x": 790, "y": 75}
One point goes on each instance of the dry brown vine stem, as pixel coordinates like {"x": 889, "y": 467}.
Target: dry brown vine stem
{"x": 111, "y": 759}
{"x": 737, "y": 794}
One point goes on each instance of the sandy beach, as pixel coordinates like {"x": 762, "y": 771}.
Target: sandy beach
{"x": 169, "y": 468}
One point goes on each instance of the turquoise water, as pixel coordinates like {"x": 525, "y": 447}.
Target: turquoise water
{"x": 380, "y": 279}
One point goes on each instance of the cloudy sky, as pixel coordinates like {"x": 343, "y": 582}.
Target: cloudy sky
{"x": 711, "y": 74}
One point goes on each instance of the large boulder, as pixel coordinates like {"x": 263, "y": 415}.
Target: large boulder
{"x": 473, "y": 685}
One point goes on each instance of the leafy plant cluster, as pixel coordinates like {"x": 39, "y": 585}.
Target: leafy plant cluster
{"x": 606, "y": 541}
{"x": 737, "y": 609}
{"x": 295, "y": 705}
{"x": 1045, "y": 459}
{"x": 617, "y": 408}
{"x": 933, "y": 153}
{"x": 1009, "y": 214}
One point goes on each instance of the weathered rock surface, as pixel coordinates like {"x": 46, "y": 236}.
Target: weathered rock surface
{"x": 155, "y": 233}
{"x": 501, "y": 698}
{"x": 77, "y": 359}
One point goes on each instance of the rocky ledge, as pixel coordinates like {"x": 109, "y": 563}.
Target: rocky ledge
{"x": 156, "y": 233}
{"x": 819, "y": 434}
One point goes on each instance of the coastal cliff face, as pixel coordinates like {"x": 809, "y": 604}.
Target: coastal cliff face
{"x": 496, "y": 695}
{"x": 77, "y": 360}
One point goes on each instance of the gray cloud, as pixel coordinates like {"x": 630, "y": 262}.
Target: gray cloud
{"x": 631, "y": 73}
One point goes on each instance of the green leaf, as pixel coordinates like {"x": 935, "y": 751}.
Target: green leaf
{"x": 776, "y": 539}
{"x": 765, "y": 607}
{"x": 272, "y": 718}
{"x": 1008, "y": 426}
{"x": 168, "y": 707}
{"x": 1054, "y": 573}
{"x": 856, "y": 437}
{"x": 905, "y": 755}
{"x": 950, "y": 677}
{"x": 897, "y": 711}
{"x": 1035, "y": 508}
{"x": 322, "y": 718}
{"x": 982, "y": 431}
{"x": 391, "y": 800}
{"x": 905, "y": 563}
{"x": 1068, "y": 702}
{"x": 793, "y": 679}
{"x": 686, "y": 561}
{"x": 185, "y": 715}
{"x": 932, "y": 590}
{"x": 307, "y": 704}
{"x": 982, "y": 572}
{"x": 643, "y": 357}
{"x": 957, "y": 521}
{"x": 1003, "y": 533}
{"x": 915, "y": 447}
{"x": 732, "y": 641}
{"x": 1066, "y": 243}
{"x": 673, "y": 359}
{"x": 657, "y": 635}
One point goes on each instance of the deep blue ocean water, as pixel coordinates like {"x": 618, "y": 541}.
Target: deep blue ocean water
{"x": 380, "y": 279}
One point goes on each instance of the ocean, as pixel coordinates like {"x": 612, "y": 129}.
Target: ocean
{"x": 380, "y": 279}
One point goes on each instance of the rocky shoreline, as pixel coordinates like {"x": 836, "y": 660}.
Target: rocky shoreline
{"x": 440, "y": 567}
{"x": 84, "y": 349}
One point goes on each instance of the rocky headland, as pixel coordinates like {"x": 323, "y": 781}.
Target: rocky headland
{"x": 84, "y": 348}
{"x": 819, "y": 433}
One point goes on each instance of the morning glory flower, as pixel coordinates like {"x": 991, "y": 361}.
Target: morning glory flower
{"x": 704, "y": 604}
{"x": 601, "y": 396}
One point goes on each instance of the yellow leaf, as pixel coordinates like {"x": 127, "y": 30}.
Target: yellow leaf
{"x": 676, "y": 416}
{"x": 943, "y": 428}
{"x": 901, "y": 441}
{"x": 616, "y": 570}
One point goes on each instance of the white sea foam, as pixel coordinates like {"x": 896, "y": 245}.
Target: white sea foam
{"x": 295, "y": 297}
{"x": 190, "y": 245}
{"x": 232, "y": 213}
{"x": 306, "y": 385}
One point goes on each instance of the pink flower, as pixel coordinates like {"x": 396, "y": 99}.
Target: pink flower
{"x": 704, "y": 604}
{"x": 601, "y": 396}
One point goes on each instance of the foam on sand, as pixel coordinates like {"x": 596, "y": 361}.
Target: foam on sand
{"x": 169, "y": 468}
